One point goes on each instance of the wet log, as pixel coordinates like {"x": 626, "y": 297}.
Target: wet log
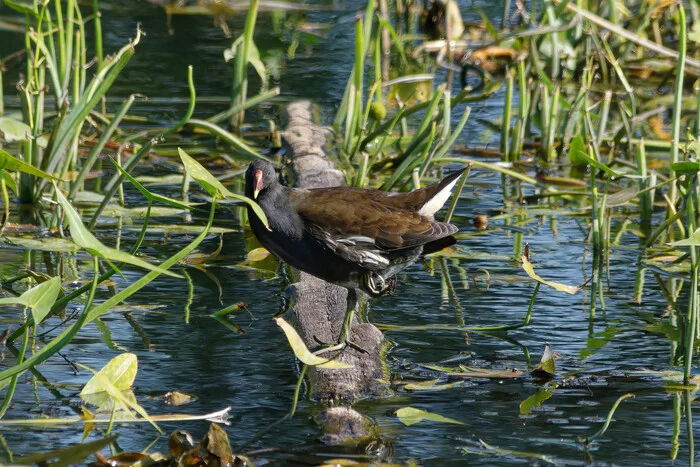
{"x": 318, "y": 307}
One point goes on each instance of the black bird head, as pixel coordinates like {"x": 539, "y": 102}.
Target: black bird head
{"x": 259, "y": 177}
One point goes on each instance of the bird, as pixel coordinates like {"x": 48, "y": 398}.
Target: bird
{"x": 357, "y": 238}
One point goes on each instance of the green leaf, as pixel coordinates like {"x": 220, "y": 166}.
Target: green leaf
{"x": 21, "y": 8}
{"x": 43, "y": 244}
{"x": 687, "y": 168}
{"x": 577, "y": 151}
{"x": 410, "y": 416}
{"x": 110, "y": 388}
{"x": 9, "y": 180}
{"x": 598, "y": 165}
{"x": 302, "y": 353}
{"x": 14, "y": 130}
{"x": 470, "y": 372}
{"x": 693, "y": 240}
{"x": 254, "y": 59}
{"x": 536, "y": 400}
{"x": 546, "y": 366}
{"x": 431, "y": 385}
{"x": 120, "y": 372}
{"x": 94, "y": 92}
{"x": 8, "y": 162}
{"x": 42, "y": 297}
{"x": 527, "y": 267}
{"x": 214, "y": 187}
{"x": 147, "y": 194}
{"x": 39, "y": 298}
{"x": 82, "y": 236}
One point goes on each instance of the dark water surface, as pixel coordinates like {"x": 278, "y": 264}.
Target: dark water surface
{"x": 601, "y": 358}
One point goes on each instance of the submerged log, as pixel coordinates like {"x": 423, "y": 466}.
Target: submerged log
{"x": 318, "y": 308}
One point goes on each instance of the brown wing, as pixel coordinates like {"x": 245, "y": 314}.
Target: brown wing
{"x": 367, "y": 217}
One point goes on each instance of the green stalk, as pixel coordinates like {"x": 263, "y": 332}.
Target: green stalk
{"x": 553, "y": 124}
{"x": 694, "y": 300}
{"x": 554, "y": 38}
{"x": 61, "y": 63}
{"x": 97, "y": 19}
{"x": 343, "y": 107}
{"x": 233, "y": 110}
{"x": 240, "y": 74}
{"x": 360, "y": 70}
{"x": 13, "y": 381}
{"x": 523, "y": 107}
{"x": 97, "y": 149}
{"x": 507, "y": 111}
{"x": 605, "y": 111}
{"x": 114, "y": 183}
{"x": 91, "y": 313}
{"x": 69, "y": 28}
{"x": 645, "y": 201}
{"x": 677, "y": 101}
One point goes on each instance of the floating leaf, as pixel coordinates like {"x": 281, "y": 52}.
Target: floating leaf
{"x": 43, "y": 244}
{"x": 468, "y": 372}
{"x": 82, "y": 236}
{"x": 536, "y": 400}
{"x": 214, "y": 187}
{"x": 410, "y": 416}
{"x": 431, "y": 385}
{"x": 39, "y": 298}
{"x": 527, "y": 267}
{"x": 302, "y": 353}
{"x": 257, "y": 254}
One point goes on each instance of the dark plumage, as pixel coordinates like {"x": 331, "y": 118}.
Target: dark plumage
{"x": 353, "y": 237}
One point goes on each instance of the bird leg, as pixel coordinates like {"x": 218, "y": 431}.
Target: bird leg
{"x": 344, "y": 336}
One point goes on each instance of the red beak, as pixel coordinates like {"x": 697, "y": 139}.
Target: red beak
{"x": 258, "y": 176}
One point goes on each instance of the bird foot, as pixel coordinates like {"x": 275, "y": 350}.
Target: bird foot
{"x": 377, "y": 286}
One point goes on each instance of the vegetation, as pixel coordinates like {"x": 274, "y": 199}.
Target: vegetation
{"x": 607, "y": 118}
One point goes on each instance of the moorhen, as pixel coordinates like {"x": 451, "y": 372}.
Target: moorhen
{"x": 353, "y": 237}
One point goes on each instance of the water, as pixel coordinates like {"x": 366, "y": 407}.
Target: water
{"x": 600, "y": 358}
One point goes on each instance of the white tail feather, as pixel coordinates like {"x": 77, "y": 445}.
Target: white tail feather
{"x": 435, "y": 203}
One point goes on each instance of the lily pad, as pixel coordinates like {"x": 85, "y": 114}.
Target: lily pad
{"x": 410, "y": 416}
